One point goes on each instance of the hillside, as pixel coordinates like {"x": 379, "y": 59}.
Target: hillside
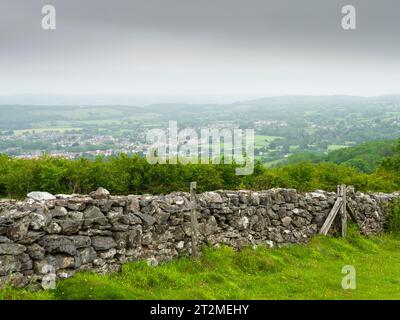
{"x": 283, "y": 125}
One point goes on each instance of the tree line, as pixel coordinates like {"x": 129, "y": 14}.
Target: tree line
{"x": 124, "y": 174}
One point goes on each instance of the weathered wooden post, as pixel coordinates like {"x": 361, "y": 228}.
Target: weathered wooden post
{"x": 336, "y": 208}
{"x": 349, "y": 209}
{"x": 341, "y": 205}
{"x": 193, "y": 218}
{"x": 343, "y": 212}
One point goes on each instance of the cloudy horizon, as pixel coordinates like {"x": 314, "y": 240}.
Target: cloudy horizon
{"x": 225, "y": 48}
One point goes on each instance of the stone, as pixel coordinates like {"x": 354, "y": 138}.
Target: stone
{"x": 297, "y": 211}
{"x": 286, "y": 221}
{"x": 4, "y": 239}
{"x": 105, "y": 205}
{"x": 96, "y": 232}
{"x": 31, "y": 237}
{"x": 81, "y": 241}
{"x": 119, "y": 227}
{"x": 299, "y": 222}
{"x": 178, "y": 233}
{"x": 36, "y": 252}
{"x": 69, "y": 226}
{"x": 38, "y": 220}
{"x": 255, "y": 199}
{"x": 209, "y": 227}
{"x": 58, "y": 244}
{"x": 58, "y": 212}
{"x": 121, "y": 238}
{"x": 99, "y": 262}
{"x": 134, "y": 205}
{"x": 18, "y": 231}
{"x": 109, "y": 254}
{"x": 257, "y": 223}
{"x": 53, "y": 228}
{"x": 45, "y": 266}
{"x": 242, "y": 198}
{"x": 76, "y": 206}
{"x": 133, "y": 219}
{"x": 162, "y": 217}
{"x": 289, "y": 206}
{"x": 147, "y": 239}
{"x": 211, "y": 197}
{"x": 9, "y": 264}
{"x": 243, "y": 223}
{"x": 270, "y": 243}
{"x": 93, "y": 216}
{"x": 14, "y": 214}
{"x": 115, "y": 214}
{"x": 65, "y": 274}
{"x": 320, "y": 195}
{"x": 180, "y": 245}
{"x": 41, "y": 196}
{"x": 103, "y": 243}
{"x": 12, "y": 248}
{"x": 134, "y": 237}
{"x": 87, "y": 255}
{"x": 100, "y": 193}
{"x": 75, "y": 215}
{"x": 272, "y": 214}
{"x": 15, "y": 280}
{"x": 63, "y": 262}
{"x": 146, "y": 218}
{"x": 26, "y": 264}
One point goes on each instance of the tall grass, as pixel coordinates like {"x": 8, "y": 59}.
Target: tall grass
{"x": 312, "y": 271}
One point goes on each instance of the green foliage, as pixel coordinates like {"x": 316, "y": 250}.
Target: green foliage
{"x": 308, "y": 176}
{"x": 394, "y": 217}
{"x": 119, "y": 174}
{"x": 392, "y": 164}
{"x": 8, "y": 293}
{"x": 123, "y": 174}
{"x": 365, "y": 157}
{"x": 312, "y": 271}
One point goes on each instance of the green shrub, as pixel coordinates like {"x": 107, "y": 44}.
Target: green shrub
{"x": 394, "y": 217}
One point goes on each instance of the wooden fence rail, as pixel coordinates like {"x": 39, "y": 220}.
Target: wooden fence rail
{"x": 341, "y": 205}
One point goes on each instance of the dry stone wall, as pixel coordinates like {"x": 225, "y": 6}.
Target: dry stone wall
{"x": 64, "y": 234}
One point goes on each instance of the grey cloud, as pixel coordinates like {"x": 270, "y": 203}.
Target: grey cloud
{"x": 172, "y": 36}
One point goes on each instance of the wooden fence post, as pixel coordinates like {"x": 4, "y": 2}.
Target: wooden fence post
{"x": 193, "y": 218}
{"x": 341, "y": 205}
{"x": 343, "y": 212}
{"x": 338, "y": 207}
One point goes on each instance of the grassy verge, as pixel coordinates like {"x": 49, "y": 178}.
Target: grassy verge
{"x": 310, "y": 271}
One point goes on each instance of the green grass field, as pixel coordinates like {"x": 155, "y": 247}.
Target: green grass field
{"x": 333, "y": 147}
{"x": 261, "y": 140}
{"x": 312, "y": 271}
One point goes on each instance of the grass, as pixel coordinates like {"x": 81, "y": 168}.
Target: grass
{"x": 333, "y": 147}
{"x": 261, "y": 140}
{"x": 310, "y": 271}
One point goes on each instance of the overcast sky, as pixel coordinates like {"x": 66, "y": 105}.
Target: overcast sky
{"x": 200, "y": 47}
